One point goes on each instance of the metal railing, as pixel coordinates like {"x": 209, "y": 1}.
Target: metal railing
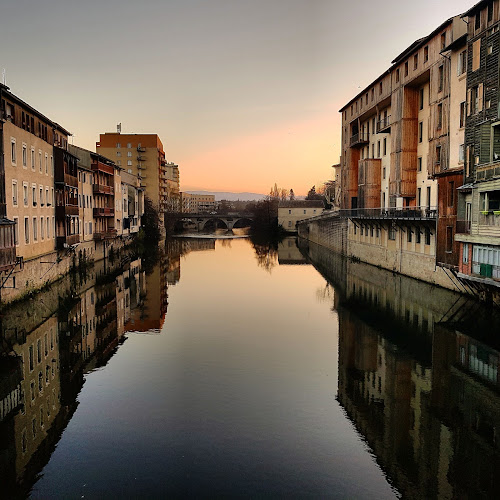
{"x": 390, "y": 213}
{"x": 360, "y": 138}
{"x": 384, "y": 123}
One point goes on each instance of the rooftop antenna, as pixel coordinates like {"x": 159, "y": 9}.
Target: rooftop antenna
{"x": 119, "y": 128}
{"x": 3, "y": 77}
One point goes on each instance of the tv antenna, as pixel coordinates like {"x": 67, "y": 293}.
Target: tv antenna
{"x": 3, "y": 76}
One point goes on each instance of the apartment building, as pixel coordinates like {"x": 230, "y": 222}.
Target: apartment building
{"x": 478, "y": 225}
{"x": 398, "y": 141}
{"x": 104, "y": 188}
{"x": 132, "y": 203}
{"x": 197, "y": 203}
{"x": 142, "y": 155}
{"x": 28, "y": 142}
{"x": 172, "y": 189}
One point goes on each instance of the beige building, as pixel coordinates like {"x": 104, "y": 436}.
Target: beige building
{"x": 29, "y": 138}
{"x": 290, "y": 212}
{"x": 197, "y": 203}
{"x": 173, "y": 196}
{"x": 132, "y": 203}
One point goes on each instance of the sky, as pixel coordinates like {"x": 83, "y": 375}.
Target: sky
{"x": 243, "y": 93}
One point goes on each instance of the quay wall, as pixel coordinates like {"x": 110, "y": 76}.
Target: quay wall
{"x": 32, "y": 275}
{"x": 333, "y": 232}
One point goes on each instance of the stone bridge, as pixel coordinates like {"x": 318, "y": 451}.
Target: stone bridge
{"x": 175, "y": 221}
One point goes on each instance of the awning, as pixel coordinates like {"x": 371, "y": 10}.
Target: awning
{"x": 466, "y": 187}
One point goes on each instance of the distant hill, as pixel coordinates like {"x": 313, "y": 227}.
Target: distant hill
{"x": 224, "y": 195}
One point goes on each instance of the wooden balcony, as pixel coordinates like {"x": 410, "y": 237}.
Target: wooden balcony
{"x": 71, "y": 180}
{"x": 105, "y": 235}
{"x": 410, "y": 213}
{"x": 104, "y": 212}
{"x": 101, "y": 167}
{"x": 62, "y": 211}
{"x": 103, "y": 189}
{"x": 358, "y": 140}
{"x": 65, "y": 241}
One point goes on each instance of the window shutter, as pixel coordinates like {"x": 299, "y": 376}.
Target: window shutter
{"x": 476, "y": 55}
{"x": 480, "y": 97}
{"x": 469, "y": 92}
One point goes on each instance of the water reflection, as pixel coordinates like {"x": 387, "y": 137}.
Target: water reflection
{"x": 417, "y": 383}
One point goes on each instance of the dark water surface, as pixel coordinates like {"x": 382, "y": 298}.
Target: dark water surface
{"x": 233, "y": 371}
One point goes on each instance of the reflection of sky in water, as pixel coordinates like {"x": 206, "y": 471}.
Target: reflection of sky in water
{"x": 235, "y": 397}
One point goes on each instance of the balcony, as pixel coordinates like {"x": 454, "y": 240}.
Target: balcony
{"x": 62, "y": 211}
{"x": 71, "y": 180}
{"x": 141, "y": 158}
{"x": 104, "y": 212}
{"x": 359, "y": 140}
{"x": 101, "y": 167}
{"x": 105, "y": 235}
{"x": 384, "y": 125}
{"x": 410, "y": 213}
{"x": 64, "y": 241}
{"x": 103, "y": 189}
{"x": 141, "y": 149}
{"x": 463, "y": 227}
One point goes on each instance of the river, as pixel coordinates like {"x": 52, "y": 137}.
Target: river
{"x": 229, "y": 369}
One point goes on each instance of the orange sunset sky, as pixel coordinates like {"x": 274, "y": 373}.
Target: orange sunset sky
{"x": 242, "y": 93}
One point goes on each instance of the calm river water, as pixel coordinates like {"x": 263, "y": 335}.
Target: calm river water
{"x": 234, "y": 370}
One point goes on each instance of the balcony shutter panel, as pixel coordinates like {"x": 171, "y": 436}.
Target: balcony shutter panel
{"x": 469, "y": 92}
{"x": 485, "y": 139}
{"x": 480, "y": 97}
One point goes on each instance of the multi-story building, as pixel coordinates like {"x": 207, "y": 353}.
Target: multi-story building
{"x": 66, "y": 199}
{"x": 28, "y": 178}
{"x": 132, "y": 202}
{"x": 197, "y": 203}
{"x": 103, "y": 180}
{"x": 479, "y": 210}
{"x": 402, "y": 152}
{"x": 85, "y": 192}
{"x": 139, "y": 154}
{"x": 173, "y": 197}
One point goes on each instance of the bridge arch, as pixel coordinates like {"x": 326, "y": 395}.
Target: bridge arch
{"x": 216, "y": 222}
{"x": 242, "y": 222}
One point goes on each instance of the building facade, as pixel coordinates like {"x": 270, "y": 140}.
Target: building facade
{"x": 193, "y": 203}
{"x": 293, "y": 211}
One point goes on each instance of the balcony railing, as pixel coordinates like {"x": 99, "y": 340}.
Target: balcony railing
{"x": 384, "y": 124}
{"x": 70, "y": 180}
{"x": 411, "y": 213}
{"x": 103, "y": 189}
{"x": 360, "y": 139}
{"x": 463, "y": 227}
{"x": 141, "y": 149}
{"x": 105, "y": 235}
{"x": 63, "y": 241}
{"x": 141, "y": 158}
{"x": 104, "y": 212}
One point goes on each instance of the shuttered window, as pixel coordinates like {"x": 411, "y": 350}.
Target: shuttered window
{"x": 476, "y": 55}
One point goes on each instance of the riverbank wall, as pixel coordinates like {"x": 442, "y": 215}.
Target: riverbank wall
{"x": 33, "y": 275}
{"x": 339, "y": 235}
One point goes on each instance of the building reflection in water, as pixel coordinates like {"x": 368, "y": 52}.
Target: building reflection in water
{"x": 416, "y": 381}
{"x": 47, "y": 346}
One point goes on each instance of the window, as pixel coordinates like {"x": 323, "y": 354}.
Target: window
{"x": 392, "y": 233}
{"x": 397, "y": 75}
{"x": 14, "y": 193}
{"x": 25, "y": 193}
{"x": 13, "y": 151}
{"x": 477, "y": 21}
{"x": 443, "y": 40}
{"x": 465, "y": 253}
{"x": 16, "y": 230}
{"x": 52, "y": 196}
{"x": 461, "y": 153}
{"x": 420, "y": 131}
{"x": 118, "y": 145}
{"x": 490, "y": 12}
{"x": 462, "y": 63}
{"x": 380, "y": 88}
{"x": 42, "y": 229}
{"x": 32, "y": 158}
{"x": 33, "y": 194}
{"x": 426, "y": 54}
{"x": 462, "y": 114}
{"x": 289, "y": 212}
{"x": 46, "y": 164}
{"x": 440, "y": 78}
{"x": 289, "y": 223}
{"x": 304, "y": 212}
{"x": 489, "y": 49}
{"x": 419, "y": 197}
{"x": 418, "y": 235}
{"x": 421, "y": 99}
{"x": 438, "y": 155}
{"x": 476, "y": 55}
{"x": 118, "y": 153}
{"x": 35, "y": 229}
{"x": 48, "y": 227}
{"x": 439, "y": 116}
{"x": 385, "y": 146}
{"x": 378, "y": 149}
{"x": 41, "y": 196}
{"x": 129, "y": 163}
{"x": 40, "y": 161}
{"x": 26, "y": 230}
{"x": 51, "y": 166}
{"x": 25, "y": 156}
{"x": 427, "y": 236}
{"x": 475, "y": 99}
{"x": 383, "y": 172}
{"x": 409, "y": 235}
{"x": 451, "y": 193}
{"x": 428, "y": 197}
{"x": 47, "y": 199}
{"x": 129, "y": 145}
{"x": 415, "y": 61}
{"x": 129, "y": 154}
{"x": 419, "y": 164}
{"x": 406, "y": 68}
